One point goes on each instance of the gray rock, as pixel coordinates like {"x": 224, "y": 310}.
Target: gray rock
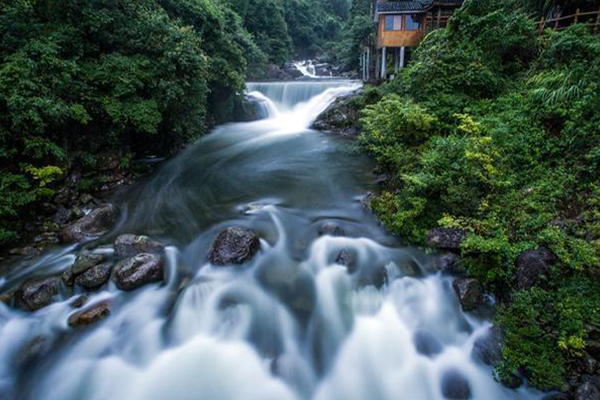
{"x": 450, "y": 264}
{"x": 134, "y": 272}
{"x": 331, "y": 229}
{"x": 90, "y": 315}
{"x": 587, "y": 391}
{"x": 342, "y": 117}
{"x": 455, "y": 386}
{"x": 235, "y": 245}
{"x": 37, "y": 294}
{"x": 79, "y": 301}
{"x": 94, "y": 277}
{"x": 130, "y": 245}
{"x": 488, "y": 348}
{"x": 445, "y": 238}
{"x": 68, "y": 277}
{"x": 347, "y": 259}
{"x": 426, "y": 343}
{"x": 275, "y": 73}
{"x": 469, "y": 293}
{"x": 85, "y": 261}
{"x": 533, "y": 267}
{"x": 92, "y": 226}
{"x": 292, "y": 71}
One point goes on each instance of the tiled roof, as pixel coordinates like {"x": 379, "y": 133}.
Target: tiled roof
{"x": 411, "y": 6}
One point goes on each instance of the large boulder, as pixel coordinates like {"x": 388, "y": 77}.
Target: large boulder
{"x": 92, "y": 226}
{"x": 342, "y": 117}
{"x": 139, "y": 270}
{"x": 427, "y": 344}
{"x": 130, "y": 245}
{"x": 38, "y": 293}
{"x": 533, "y": 267}
{"x": 469, "y": 293}
{"x": 323, "y": 69}
{"x": 292, "y": 70}
{"x": 445, "y": 238}
{"x": 234, "y": 245}
{"x": 277, "y": 74}
{"x": 331, "y": 229}
{"x": 90, "y": 315}
{"x": 94, "y": 277}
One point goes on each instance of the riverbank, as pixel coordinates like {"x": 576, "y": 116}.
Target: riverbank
{"x": 499, "y": 167}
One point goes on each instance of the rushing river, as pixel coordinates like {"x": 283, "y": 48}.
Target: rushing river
{"x": 291, "y": 323}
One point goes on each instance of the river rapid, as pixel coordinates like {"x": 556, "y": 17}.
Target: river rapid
{"x": 291, "y": 324}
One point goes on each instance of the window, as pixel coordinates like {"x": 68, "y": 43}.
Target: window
{"x": 393, "y": 22}
{"x": 413, "y": 22}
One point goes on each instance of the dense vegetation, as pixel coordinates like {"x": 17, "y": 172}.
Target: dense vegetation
{"x": 494, "y": 129}
{"x": 83, "y": 78}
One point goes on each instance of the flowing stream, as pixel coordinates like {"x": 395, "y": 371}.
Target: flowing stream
{"x": 291, "y": 323}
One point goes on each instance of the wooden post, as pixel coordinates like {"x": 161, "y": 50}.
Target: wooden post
{"x": 369, "y": 62}
{"x": 597, "y": 22}
{"x": 576, "y": 16}
{"x": 439, "y": 22}
{"x": 542, "y": 22}
{"x": 557, "y": 18}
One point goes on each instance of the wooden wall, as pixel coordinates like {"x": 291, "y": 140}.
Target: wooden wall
{"x": 397, "y": 38}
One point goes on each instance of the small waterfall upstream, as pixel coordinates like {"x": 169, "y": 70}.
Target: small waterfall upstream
{"x": 294, "y": 323}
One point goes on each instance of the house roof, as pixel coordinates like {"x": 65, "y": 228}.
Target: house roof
{"x": 410, "y": 5}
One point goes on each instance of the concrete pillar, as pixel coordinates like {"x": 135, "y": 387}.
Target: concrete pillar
{"x": 383, "y": 63}
{"x": 402, "y": 57}
{"x": 368, "y": 63}
{"x": 396, "y": 60}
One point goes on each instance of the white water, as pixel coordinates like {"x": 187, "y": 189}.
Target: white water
{"x": 291, "y": 324}
{"x": 307, "y": 68}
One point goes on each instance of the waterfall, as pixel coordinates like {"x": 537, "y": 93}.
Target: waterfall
{"x": 298, "y": 103}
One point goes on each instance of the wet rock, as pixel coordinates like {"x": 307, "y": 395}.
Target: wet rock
{"x": 341, "y": 117}
{"x": 276, "y": 73}
{"x": 94, "y": 277}
{"x": 79, "y": 301}
{"x": 85, "y": 198}
{"x": 324, "y": 69}
{"x": 594, "y": 380}
{"x": 347, "y": 259}
{"x": 85, "y": 261}
{"x": 139, "y": 270}
{"x": 37, "y": 294}
{"x": 331, "y": 229}
{"x": 488, "y": 348}
{"x": 427, "y": 344}
{"x": 469, "y": 293}
{"x": 90, "y": 316}
{"x": 35, "y": 349}
{"x": 130, "y": 245}
{"x": 533, "y": 267}
{"x": 6, "y": 298}
{"x": 450, "y": 264}
{"x": 292, "y": 71}
{"x": 455, "y": 386}
{"x": 62, "y": 216}
{"x": 587, "y": 391}
{"x": 68, "y": 277}
{"x": 234, "y": 245}
{"x": 27, "y": 251}
{"x": 92, "y": 226}
{"x": 512, "y": 381}
{"x": 445, "y": 238}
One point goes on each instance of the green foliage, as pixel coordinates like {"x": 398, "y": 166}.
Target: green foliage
{"x": 511, "y": 156}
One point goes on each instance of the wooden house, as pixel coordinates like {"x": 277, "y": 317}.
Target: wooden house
{"x": 400, "y": 26}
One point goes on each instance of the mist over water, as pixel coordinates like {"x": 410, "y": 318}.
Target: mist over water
{"x": 291, "y": 323}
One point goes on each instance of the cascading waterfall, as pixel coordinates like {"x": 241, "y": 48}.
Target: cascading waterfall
{"x": 291, "y": 324}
